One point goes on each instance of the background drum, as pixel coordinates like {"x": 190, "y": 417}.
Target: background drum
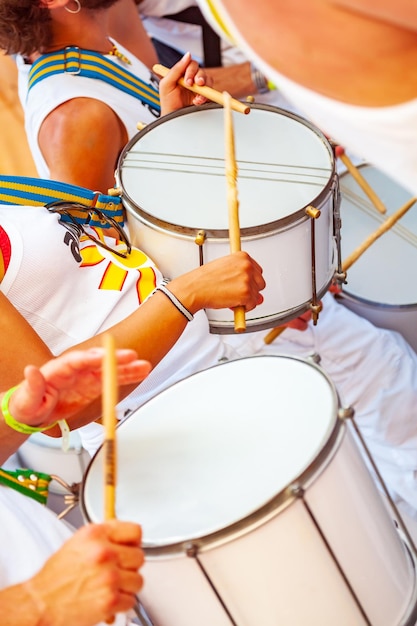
{"x": 256, "y": 504}
{"x": 172, "y": 177}
{"x": 380, "y": 284}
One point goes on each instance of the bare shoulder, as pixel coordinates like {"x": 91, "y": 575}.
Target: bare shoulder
{"x": 77, "y": 134}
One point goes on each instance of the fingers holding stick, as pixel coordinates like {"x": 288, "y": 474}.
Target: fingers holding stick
{"x": 204, "y": 90}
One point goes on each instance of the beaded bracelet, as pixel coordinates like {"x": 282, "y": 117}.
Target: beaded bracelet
{"x": 179, "y": 305}
{"x": 25, "y": 429}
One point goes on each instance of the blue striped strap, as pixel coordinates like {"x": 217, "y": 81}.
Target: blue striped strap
{"x": 28, "y": 191}
{"x": 90, "y": 64}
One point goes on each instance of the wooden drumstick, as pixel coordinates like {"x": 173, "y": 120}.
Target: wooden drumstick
{"x": 273, "y": 334}
{"x": 362, "y": 182}
{"x": 232, "y": 199}
{"x": 389, "y": 222}
{"x": 109, "y": 393}
{"x": 204, "y": 90}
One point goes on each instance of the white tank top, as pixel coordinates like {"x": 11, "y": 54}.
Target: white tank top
{"x": 48, "y": 94}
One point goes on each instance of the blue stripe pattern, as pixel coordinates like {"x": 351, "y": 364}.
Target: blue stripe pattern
{"x": 90, "y": 64}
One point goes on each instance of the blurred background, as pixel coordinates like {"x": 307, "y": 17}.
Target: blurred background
{"x": 15, "y": 158}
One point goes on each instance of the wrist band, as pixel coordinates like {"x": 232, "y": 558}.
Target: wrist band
{"x": 259, "y": 80}
{"x": 179, "y": 305}
{"x": 24, "y": 428}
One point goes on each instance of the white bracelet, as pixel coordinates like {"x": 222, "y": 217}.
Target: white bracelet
{"x": 179, "y": 305}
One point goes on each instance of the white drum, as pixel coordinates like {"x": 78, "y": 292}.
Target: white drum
{"x": 173, "y": 185}
{"x": 380, "y": 284}
{"x": 256, "y": 504}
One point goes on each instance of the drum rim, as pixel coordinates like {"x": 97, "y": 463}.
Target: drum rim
{"x": 298, "y": 216}
{"x": 266, "y": 322}
{"x": 376, "y": 305}
{"x": 273, "y": 507}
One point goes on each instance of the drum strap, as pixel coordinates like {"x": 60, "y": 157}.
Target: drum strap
{"x": 77, "y": 62}
{"x": 26, "y": 481}
{"x": 23, "y": 190}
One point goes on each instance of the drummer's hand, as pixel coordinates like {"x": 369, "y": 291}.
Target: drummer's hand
{"x": 69, "y": 383}
{"x": 173, "y": 96}
{"x": 93, "y": 576}
{"x": 228, "y": 282}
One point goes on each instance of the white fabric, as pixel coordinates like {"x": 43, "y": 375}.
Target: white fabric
{"x": 374, "y": 370}
{"x": 384, "y": 136}
{"x": 48, "y": 94}
{"x": 30, "y": 534}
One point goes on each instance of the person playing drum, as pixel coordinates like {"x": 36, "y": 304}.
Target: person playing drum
{"x": 49, "y": 574}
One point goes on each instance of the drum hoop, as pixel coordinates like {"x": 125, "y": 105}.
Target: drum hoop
{"x": 276, "y": 504}
{"x": 374, "y": 304}
{"x": 298, "y": 216}
{"x": 220, "y": 327}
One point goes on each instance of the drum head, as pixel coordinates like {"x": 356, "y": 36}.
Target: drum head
{"x": 380, "y": 275}
{"x": 174, "y": 169}
{"x": 215, "y": 447}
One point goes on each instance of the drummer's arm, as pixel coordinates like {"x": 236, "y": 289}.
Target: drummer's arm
{"x": 90, "y": 162}
{"x": 154, "y": 328}
{"x": 19, "y": 346}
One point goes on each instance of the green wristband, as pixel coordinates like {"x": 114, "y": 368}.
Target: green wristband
{"x": 10, "y": 421}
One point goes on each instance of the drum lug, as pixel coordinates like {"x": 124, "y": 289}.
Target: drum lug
{"x": 199, "y": 240}
{"x": 201, "y": 237}
{"x": 315, "y": 310}
{"x": 314, "y": 358}
{"x": 346, "y": 413}
{"x": 297, "y": 490}
{"x": 340, "y": 277}
{"x": 191, "y": 550}
{"x": 312, "y": 212}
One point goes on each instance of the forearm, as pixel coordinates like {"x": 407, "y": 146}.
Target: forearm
{"x": 10, "y": 439}
{"x": 18, "y": 607}
{"x": 236, "y": 79}
{"x": 152, "y": 330}
{"x": 20, "y": 345}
